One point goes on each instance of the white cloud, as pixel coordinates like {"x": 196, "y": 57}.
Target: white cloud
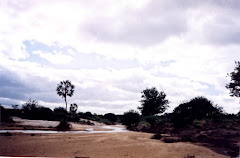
{"x": 55, "y": 57}
{"x": 181, "y": 47}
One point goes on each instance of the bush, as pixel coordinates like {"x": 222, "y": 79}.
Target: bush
{"x": 111, "y": 117}
{"x": 130, "y": 118}
{"x": 86, "y": 115}
{"x": 4, "y": 115}
{"x": 157, "y": 136}
{"x": 32, "y": 110}
{"x": 199, "y": 123}
{"x": 106, "y": 121}
{"x": 60, "y": 111}
{"x": 197, "y": 108}
{"x": 63, "y": 126}
{"x": 152, "y": 120}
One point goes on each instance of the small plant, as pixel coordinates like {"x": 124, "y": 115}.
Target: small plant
{"x": 157, "y": 136}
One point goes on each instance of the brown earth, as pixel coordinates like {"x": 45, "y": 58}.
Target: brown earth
{"x": 101, "y": 145}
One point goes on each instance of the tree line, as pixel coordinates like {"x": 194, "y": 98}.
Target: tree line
{"x": 153, "y": 103}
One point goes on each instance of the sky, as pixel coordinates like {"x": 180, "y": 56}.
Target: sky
{"x": 111, "y": 50}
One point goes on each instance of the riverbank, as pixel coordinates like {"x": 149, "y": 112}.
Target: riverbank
{"x": 24, "y": 124}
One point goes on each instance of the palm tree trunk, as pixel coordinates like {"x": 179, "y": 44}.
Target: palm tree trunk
{"x": 66, "y": 103}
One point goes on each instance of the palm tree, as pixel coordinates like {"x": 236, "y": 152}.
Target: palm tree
{"x": 73, "y": 108}
{"x": 64, "y": 89}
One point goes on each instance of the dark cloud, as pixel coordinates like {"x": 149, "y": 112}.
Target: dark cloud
{"x": 15, "y": 87}
{"x": 150, "y": 25}
{"x": 224, "y": 30}
{"x": 11, "y": 86}
{"x": 159, "y": 20}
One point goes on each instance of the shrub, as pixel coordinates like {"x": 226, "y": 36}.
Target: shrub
{"x": 111, "y": 117}
{"x": 130, "y": 118}
{"x": 197, "y": 108}
{"x": 152, "y": 120}
{"x": 199, "y": 123}
{"x": 106, "y": 121}
{"x": 4, "y": 115}
{"x": 157, "y": 136}
{"x": 86, "y": 115}
{"x": 32, "y": 110}
{"x": 63, "y": 126}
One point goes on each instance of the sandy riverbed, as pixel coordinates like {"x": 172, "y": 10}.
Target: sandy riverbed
{"x": 95, "y": 145}
{"x": 104, "y": 145}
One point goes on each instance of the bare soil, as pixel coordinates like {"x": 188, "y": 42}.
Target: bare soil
{"x": 94, "y": 145}
{"x": 102, "y": 145}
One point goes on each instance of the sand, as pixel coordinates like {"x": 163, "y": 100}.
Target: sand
{"x": 101, "y": 145}
{"x": 93, "y": 145}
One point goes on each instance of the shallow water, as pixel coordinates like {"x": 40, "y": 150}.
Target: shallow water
{"x": 113, "y": 129}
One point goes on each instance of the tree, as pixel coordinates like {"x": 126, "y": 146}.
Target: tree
{"x": 153, "y": 102}
{"x": 15, "y": 106}
{"x": 234, "y": 85}
{"x": 64, "y": 89}
{"x": 130, "y": 118}
{"x": 73, "y": 108}
{"x": 31, "y": 104}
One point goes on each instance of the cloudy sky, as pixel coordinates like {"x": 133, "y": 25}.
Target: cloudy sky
{"x": 113, "y": 49}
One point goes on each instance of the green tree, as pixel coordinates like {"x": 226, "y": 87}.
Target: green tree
{"x": 153, "y": 102}
{"x": 64, "y": 89}
{"x": 234, "y": 85}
